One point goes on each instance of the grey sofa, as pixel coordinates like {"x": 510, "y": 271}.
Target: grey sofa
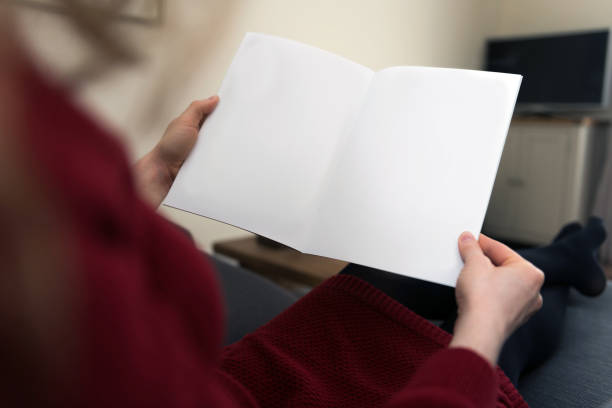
{"x": 579, "y": 374}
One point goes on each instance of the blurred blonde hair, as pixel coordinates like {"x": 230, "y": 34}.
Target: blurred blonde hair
{"x": 100, "y": 51}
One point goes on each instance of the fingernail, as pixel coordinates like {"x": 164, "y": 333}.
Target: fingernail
{"x": 211, "y": 97}
{"x": 466, "y": 237}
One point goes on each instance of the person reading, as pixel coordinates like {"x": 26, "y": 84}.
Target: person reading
{"x": 106, "y": 303}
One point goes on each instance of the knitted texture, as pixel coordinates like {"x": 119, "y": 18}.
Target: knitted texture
{"x": 150, "y": 320}
{"x": 348, "y": 344}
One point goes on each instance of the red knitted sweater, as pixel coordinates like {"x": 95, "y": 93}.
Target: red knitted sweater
{"x": 150, "y": 316}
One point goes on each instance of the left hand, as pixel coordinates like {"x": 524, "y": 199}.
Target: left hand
{"x": 156, "y": 171}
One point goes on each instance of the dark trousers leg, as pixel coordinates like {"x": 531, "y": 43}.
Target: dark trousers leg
{"x": 430, "y": 300}
{"x": 536, "y": 341}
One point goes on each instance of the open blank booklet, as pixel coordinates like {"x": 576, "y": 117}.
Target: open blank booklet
{"x": 383, "y": 169}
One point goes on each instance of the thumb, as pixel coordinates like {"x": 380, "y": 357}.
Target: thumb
{"x": 469, "y": 249}
{"x": 197, "y": 110}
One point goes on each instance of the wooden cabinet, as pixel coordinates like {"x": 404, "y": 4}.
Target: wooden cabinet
{"x": 548, "y": 176}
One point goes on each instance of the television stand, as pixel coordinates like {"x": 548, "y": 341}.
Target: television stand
{"x": 548, "y": 176}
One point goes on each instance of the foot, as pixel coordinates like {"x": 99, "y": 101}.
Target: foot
{"x": 568, "y": 229}
{"x": 580, "y": 246}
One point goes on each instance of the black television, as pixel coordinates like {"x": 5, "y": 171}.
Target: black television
{"x": 561, "y": 72}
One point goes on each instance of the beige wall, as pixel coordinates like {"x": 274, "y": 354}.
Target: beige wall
{"x": 535, "y": 16}
{"x": 186, "y": 58}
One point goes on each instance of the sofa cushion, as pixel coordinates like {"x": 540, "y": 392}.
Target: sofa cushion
{"x": 580, "y": 372}
{"x": 250, "y": 300}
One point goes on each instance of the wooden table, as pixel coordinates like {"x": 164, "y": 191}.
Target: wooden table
{"x": 283, "y": 265}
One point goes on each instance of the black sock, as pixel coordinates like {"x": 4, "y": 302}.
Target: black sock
{"x": 571, "y": 258}
{"x": 567, "y": 230}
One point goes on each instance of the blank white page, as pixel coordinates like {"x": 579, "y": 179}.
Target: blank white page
{"x": 261, "y": 155}
{"x": 416, "y": 171}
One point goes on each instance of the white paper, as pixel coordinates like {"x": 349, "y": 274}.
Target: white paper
{"x": 416, "y": 171}
{"x": 261, "y": 155}
{"x": 323, "y": 155}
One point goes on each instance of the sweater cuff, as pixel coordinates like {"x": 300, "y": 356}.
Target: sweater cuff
{"x": 457, "y": 371}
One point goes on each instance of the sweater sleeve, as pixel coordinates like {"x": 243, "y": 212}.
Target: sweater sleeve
{"x": 454, "y": 377}
{"x": 348, "y": 344}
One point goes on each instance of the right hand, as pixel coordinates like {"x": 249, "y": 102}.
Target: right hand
{"x": 497, "y": 291}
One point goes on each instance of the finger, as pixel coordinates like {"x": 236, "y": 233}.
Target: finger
{"x": 197, "y": 111}
{"x": 497, "y": 252}
{"x": 469, "y": 248}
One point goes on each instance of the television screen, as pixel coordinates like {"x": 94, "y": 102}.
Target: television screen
{"x": 562, "y": 70}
